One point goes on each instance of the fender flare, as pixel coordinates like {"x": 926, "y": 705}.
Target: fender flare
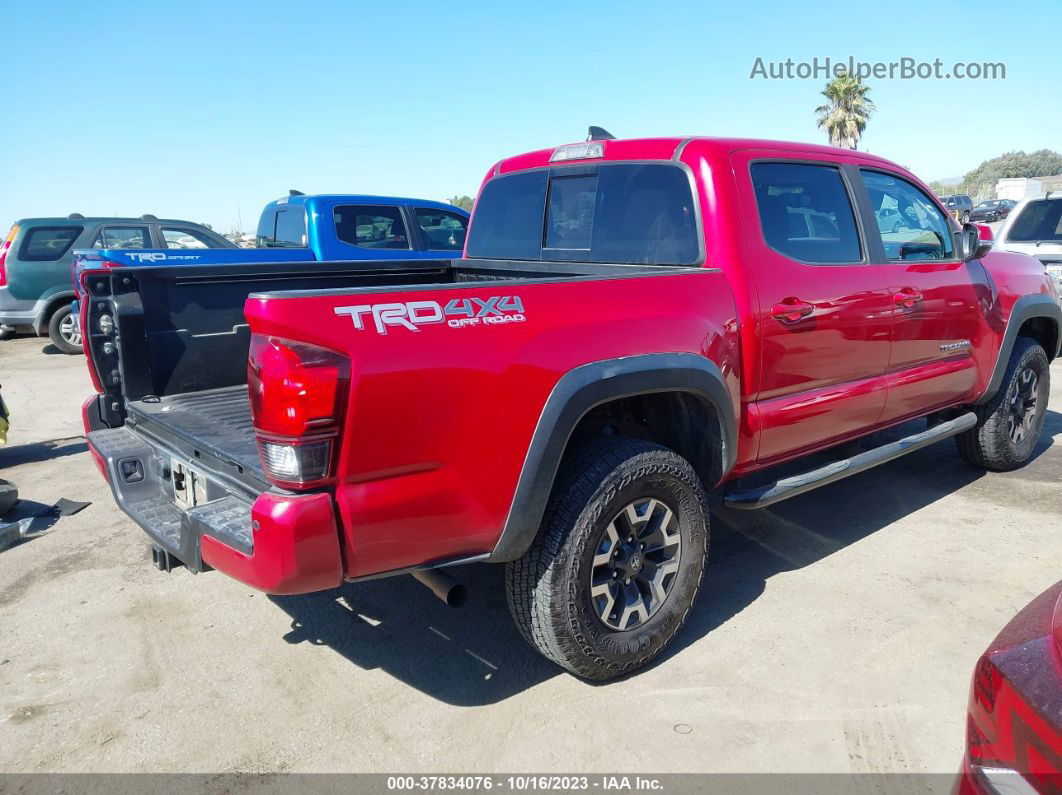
{"x": 1025, "y": 308}
{"x": 579, "y": 391}
{"x": 49, "y": 306}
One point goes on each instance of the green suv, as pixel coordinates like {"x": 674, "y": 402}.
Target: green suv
{"x": 35, "y": 259}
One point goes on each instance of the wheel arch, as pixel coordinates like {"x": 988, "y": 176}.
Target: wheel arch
{"x": 670, "y": 395}
{"x": 53, "y": 303}
{"x": 1037, "y": 317}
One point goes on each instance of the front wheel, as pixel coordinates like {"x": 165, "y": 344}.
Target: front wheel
{"x": 64, "y": 332}
{"x": 1009, "y": 425}
{"x": 617, "y": 563}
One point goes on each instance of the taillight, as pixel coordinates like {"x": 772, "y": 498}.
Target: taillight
{"x": 85, "y": 271}
{"x": 4, "y": 248}
{"x": 1008, "y": 742}
{"x": 298, "y": 393}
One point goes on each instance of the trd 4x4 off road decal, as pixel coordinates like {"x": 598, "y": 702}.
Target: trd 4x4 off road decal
{"x": 458, "y": 313}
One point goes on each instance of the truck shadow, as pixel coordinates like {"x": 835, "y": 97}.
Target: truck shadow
{"x": 475, "y": 656}
{"x": 467, "y": 656}
{"x": 33, "y": 452}
{"x": 750, "y": 547}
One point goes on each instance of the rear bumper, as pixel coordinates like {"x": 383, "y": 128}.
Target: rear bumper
{"x": 18, "y": 312}
{"x": 276, "y": 542}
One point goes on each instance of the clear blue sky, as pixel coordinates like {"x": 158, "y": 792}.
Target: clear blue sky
{"x": 194, "y": 109}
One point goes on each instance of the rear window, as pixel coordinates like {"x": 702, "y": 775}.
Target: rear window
{"x": 284, "y": 227}
{"x": 626, "y": 212}
{"x": 1040, "y": 220}
{"x": 48, "y": 243}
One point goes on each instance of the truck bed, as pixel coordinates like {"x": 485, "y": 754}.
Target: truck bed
{"x": 182, "y": 367}
{"x": 215, "y": 421}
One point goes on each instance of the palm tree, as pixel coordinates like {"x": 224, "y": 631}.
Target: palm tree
{"x": 844, "y": 116}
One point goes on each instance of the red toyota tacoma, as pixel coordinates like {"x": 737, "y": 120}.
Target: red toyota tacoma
{"x": 634, "y": 323}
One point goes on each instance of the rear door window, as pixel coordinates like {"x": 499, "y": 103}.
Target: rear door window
{"x": 442, "y": 230}
{"x": 123, "y": 237}
{"x": 48, "y": 243}
{"x": 637, "y": 213}
{"x": 806, "y": 213}
{"x": 371, "y": 226}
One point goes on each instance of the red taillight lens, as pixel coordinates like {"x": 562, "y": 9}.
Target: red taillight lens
{"x": 298, "y": 393}
{"x": 1007, "y": 739}
{"x": 4, "y": 248}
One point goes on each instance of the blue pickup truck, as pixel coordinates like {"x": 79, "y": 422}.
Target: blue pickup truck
{"x": 319, "y": 228}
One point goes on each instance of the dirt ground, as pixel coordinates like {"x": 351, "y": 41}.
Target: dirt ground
{"x": 835, "y": 632}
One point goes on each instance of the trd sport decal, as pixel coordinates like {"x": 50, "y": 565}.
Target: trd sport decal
{"x": 458, "y": 313}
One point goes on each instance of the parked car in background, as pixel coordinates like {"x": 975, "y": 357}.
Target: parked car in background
{"x": 352, "y": 227}
{"x": 320, "y": 228}
{"x": 633, "y": 324}
{"x": 960, "y": 205}
{"x": 1034, "y": 227}
{"x": 1014, "y": 721}
{"x": 992, "y": 210}
{"x": 36, "y": 257}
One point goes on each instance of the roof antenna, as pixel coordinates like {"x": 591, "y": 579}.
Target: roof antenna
{"x": 599, "y": 134}
{"x": 294, "y": 192}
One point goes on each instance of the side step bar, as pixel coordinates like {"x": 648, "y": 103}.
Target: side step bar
{"x": 769, "y": 494}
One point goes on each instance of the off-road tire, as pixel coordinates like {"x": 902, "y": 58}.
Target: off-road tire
{"x": 988, "y": 444}
{"x": 548, "y": 589}
{"x": 55, "y": 333}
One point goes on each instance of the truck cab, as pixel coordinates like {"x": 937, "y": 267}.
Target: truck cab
{"x": 352, "y": 227}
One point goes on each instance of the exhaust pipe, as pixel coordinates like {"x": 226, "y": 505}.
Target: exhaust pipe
{"x": 442, "y": 585}
{"x": 163, "y": 560}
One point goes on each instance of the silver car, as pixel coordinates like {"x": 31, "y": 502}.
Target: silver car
{"x": 1034, "y": 227}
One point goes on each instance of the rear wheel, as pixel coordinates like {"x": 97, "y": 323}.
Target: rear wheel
{"x": 1009, "y": 425}
{"x": 64, "y": 332}
{"x": 617, "y": 563}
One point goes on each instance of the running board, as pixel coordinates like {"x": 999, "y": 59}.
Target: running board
{"x": 762, "y": 496}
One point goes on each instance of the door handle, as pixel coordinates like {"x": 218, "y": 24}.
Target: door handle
{"x": 907, "y": 297}
{"x": 791, "y": 310}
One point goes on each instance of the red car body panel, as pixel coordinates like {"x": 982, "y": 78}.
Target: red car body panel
{"x": 1014, "y": 722}
{"x": 438, "y": 421}
{"x": 438, "y": 482}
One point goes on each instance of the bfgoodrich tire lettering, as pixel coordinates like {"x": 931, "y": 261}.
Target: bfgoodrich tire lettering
{"x": 549, "y": 588}
{"x": 996, "y": 442}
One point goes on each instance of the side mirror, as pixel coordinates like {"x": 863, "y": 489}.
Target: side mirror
{"x": 986, "y": 232}
{"x": 973, "y": 245}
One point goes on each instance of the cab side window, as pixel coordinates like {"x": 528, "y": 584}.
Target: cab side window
{"x": 371, "y": 226}
{"x": 911, "y": 226}
{"x": 806, "y": 213}
{"x": 442, "y": 230}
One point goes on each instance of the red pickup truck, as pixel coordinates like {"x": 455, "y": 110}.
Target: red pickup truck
{"x": 633, "y": 324}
